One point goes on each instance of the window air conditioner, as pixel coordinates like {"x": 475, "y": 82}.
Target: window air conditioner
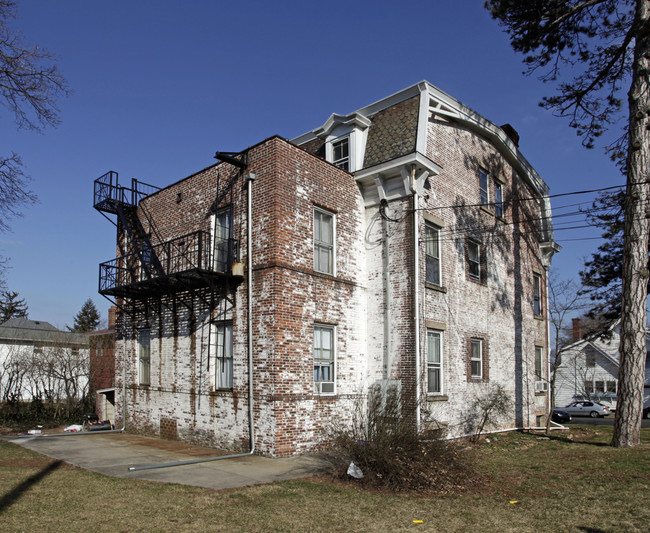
{"x": 541, "y": 386}
{"x": 325, "y": 387}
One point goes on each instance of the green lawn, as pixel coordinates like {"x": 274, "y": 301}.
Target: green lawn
{"x": 564, "y": 484}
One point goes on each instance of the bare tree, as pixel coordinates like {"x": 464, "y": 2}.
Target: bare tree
{"x": 13, "y": 372}
{"x": 30, "y": 85}
{"x": 564, "y": 299}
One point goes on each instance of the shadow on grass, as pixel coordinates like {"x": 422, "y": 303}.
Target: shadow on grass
{"x": 591, "y": 529}
{"x": 584, "y": 440}
{"x": 15, "y": 494}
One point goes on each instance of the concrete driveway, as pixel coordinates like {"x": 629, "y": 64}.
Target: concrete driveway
{"x": 113, "y": 453}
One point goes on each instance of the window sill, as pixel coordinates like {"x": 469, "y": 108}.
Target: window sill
{"x": 432, "y": 397}
{"x": 538, "y": 317}
{"x": 493, "y": 213}
{"x": 437, "y": 288}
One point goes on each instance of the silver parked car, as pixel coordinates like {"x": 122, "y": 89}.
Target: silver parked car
{"x": 587, "y": 408}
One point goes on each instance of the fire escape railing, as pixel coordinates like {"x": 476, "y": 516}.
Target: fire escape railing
{"x": 108, "y": 194}
{"x": 191, "y": 253}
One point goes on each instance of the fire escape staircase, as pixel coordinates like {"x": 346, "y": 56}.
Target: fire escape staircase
{"x": 180, "y": 264}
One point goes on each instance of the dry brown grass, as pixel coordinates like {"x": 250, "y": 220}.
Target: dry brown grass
{"x": 559, "y": 485}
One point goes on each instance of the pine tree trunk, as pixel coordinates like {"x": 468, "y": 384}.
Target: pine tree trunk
{"x": 627, "y": 425}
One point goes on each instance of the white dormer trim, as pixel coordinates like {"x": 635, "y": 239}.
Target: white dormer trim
{"x": 336, "y": 121}
{"x": 353, "y": 126}
{"x": 395, "y": 179}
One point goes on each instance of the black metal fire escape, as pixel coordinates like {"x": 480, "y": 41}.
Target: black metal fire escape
{"x": 185, "y": 263}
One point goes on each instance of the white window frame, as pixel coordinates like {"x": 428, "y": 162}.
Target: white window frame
{"x": 474, "y": 245}
{"x": 432, "y": 244}
{"x": 324, "y": 358}
{"x": 219, "y": 262}
{"x": 144, "y": 356}
{"x": 435, "y": 340}
{"x": 537, "y": 294}
{"x": 539, "y": 363}
{"x": 474, "y": 358}
{"x": 484, "y": 187}
{"x": 321, "y": 245}
{"x": 223, "y": 355}
{"x": 341, "y": 161}
{"x": 498, "y": 199}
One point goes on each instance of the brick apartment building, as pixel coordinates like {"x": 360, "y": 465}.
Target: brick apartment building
{"x": 404, "y": 245}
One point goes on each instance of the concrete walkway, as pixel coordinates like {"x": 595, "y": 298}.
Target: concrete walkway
{"x": 113, "y": 453}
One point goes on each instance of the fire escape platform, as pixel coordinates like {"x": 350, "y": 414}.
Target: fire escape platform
{"x": 178, "y": 282}
{"x": 184, "y": 263}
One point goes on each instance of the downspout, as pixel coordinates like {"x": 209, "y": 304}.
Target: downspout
{"x": 416, "y": 295}
{"x": 249, "y": 219}
{"x": 549, "y": 400}
{"x": 387, "y": 303}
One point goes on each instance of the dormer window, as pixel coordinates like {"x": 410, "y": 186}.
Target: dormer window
{"x": 341, "y": 153}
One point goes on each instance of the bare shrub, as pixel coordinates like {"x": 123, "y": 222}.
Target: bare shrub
{"x": 384, "y": 443}
{"x": 487, "y": 409}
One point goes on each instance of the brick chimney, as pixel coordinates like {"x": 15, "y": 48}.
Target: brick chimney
{"x": 577, "y": 329}
{"x": 511, "y": 133}
{"x": 111, "y": 316}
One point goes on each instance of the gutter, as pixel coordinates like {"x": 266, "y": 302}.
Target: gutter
{"x": 249, "y": 218}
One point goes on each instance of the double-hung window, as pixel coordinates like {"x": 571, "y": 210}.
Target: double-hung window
{"x": 483, "y": 187}
{"x": 223, "y": 243}
{"x": 324, "y": 228}
{"x": 474, "y": 259}
{"x": 434, "y": 362}
{"x": 144, "y": 356}
{"x": 498, "y": 199}
{"x": 432, "y": 253}
{"x": 537, "y": 294}
{"x": 323, "y": 359}
{"x": 223, "y": 356}
{"x": 341, "y": 153}
{"x": 539, "y": 352}
{"x": 590, "y": 358}
{"x": 476, "y": 358}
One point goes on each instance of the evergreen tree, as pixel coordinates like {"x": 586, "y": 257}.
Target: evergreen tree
{"x": 606, "y": 45}
{"x": 602, "y": 275}
{"x": 87, "y": 319}
{"x": 11, "y": 306}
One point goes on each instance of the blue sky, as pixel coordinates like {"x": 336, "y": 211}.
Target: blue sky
{"x": 160, "y": 86}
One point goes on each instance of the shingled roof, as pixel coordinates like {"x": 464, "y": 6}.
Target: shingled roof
{"x": 23, "y": 330}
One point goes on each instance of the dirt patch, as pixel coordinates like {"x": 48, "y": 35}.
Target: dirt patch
{"x": 170, "y": 445}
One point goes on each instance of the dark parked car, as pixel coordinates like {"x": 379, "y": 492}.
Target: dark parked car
{"x": 587, "y": 408}
{"x": 646, "y": 412}
{"x": 561, "y": 417}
